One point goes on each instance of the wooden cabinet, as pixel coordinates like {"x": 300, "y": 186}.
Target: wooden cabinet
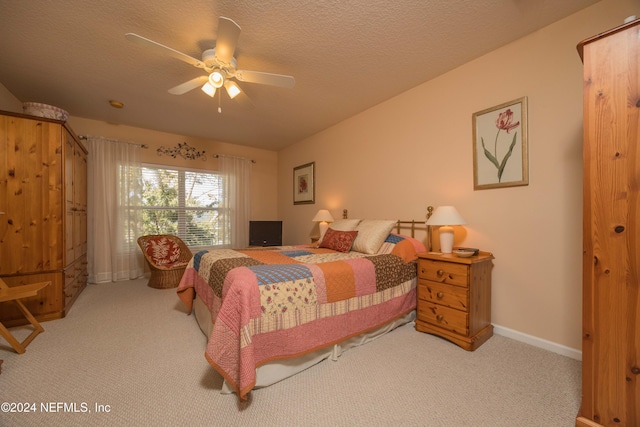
{"x": 43, "y": 231}
{"x": 611, "y": 226}
{"x": 454, "y": 298}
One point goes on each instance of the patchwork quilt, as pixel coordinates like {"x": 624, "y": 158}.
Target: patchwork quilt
{"x": 279, "y": 303}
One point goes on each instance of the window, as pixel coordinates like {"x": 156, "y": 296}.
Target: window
{"x": 182, "y": 202}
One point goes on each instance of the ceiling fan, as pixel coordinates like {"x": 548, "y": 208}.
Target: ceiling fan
{"x": 219, "y": 64}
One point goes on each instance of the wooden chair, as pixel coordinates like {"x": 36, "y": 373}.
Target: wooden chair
{"x": 15, "y": 294}
{"x": 167, "y": 256}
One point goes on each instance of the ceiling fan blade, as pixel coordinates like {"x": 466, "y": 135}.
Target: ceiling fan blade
{"x": 165, "y": 49}
{"x": 243, "y": 100}
{"x": 187, "y": 86}
{"x": 228, "y": 35}
{"x": 265, "y": 78}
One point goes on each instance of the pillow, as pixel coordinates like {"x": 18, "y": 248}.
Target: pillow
{"x": 345, "y": 224}
{"x": 405, "y": 247}
{"x": 163, "y": 251}
{"x": 340, "y": 241}
{"x": 372, "y": 234}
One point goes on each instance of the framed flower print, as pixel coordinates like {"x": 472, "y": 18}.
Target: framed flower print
{"x": 304, "y": 187}
{"x": 500, "y": 157}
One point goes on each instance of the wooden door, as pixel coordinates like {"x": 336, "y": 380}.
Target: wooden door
{"x": 30, "y": 195}
{"x": 611, "y": 266}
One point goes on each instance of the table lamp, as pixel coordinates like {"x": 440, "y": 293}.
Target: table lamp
{"x": 323, "y": 217}
{"x": 445, "y": 217}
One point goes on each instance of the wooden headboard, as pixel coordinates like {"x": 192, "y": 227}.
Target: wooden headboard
{"x": 412, "y": 225}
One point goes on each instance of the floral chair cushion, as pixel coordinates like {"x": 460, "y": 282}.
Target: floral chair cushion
{"x": 164, "y": 252}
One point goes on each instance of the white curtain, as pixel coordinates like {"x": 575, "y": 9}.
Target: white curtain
{"x": 114, "y": 223}
{"x": 236, "y": 206}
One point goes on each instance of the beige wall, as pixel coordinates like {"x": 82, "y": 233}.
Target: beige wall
{"x": 415, "y": 150}
{"x": 8, "y": 102}
{"x": 264, "y": 186}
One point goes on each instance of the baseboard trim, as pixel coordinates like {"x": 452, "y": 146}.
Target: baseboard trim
{"x": 538, "y": 342}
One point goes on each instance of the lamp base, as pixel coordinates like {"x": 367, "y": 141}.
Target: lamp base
{"x": 446, "y": 239}
{"x": 323, "y": 226}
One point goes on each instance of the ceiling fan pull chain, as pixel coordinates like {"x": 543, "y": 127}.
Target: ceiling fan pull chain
{"x": 219, "y": 100}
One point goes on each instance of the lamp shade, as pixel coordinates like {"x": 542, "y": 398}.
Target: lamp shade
{"x": 216, "y": 79}
{"x": 323, "y": 215}
{"x": 446, "y": 215}
{"x": 232, "y": 88}
{"x": 208, "y": 89}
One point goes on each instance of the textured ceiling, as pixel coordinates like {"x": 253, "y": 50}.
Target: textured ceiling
{"x": 346, "y": 56}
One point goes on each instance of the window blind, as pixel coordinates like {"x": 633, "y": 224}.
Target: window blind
{"x": 182, "y": 202}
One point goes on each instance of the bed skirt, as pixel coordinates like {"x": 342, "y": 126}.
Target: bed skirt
{"x": 272, "y": 372}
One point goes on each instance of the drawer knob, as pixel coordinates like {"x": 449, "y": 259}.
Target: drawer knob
{"x": 440, "y": 295}
{"x": 440, "y": 273}
{"x": 439, "y": 317}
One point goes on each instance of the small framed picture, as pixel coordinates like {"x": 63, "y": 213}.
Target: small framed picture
{"x": 500, "y": 157}
{"x": 304, "y": 184}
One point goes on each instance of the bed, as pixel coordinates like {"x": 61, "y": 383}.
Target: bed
{"x": 272, "y": 312}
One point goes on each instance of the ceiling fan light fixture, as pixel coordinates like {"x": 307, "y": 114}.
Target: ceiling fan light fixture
{"x": 232, "y": 88}
{"x": 216, "y": 79}
{"x": 219, "y": 66}
{"x": 208, "y": 89}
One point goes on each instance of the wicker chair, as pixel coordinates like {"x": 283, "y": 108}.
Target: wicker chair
{"x": 167, "y": 256}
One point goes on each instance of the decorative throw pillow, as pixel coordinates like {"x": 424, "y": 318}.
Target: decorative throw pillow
{"x": 163, "y": 251}
{"x": 342, "y": 225}
{"x": 371, "y": 234}
{"x": 393, "y": 239}
{"x": 340, "y": 241}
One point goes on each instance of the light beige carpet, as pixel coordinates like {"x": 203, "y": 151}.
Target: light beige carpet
{"x": 132, "y": 352}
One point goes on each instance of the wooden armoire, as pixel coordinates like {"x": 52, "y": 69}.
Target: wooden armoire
{"x": 43, "y": 219}
{"x": 611, "y": 227}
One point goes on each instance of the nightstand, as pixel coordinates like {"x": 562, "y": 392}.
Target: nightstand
{"x": 454, "y": 297}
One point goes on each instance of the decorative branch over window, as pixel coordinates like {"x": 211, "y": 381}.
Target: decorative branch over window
{"x": 182, "y": 150}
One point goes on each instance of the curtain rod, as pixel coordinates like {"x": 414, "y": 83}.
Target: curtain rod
{"x": 117, "y": 140}
{"x": 233, "y": 157}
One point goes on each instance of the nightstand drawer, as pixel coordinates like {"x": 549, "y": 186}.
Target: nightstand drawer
{"x": 450, "y": 296}
{"x": 443, "y": 317}
{"x": 444, "y": 272}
